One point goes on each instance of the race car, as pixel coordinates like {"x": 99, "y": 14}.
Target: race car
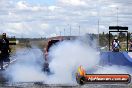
{"x": 46, "y": 51}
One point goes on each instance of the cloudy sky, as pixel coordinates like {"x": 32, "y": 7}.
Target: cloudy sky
{"x": 46, "y": 18}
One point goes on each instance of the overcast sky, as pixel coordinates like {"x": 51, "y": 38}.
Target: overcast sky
{"x": 47, "y": 18}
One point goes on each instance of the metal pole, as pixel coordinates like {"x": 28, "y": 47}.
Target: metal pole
{"x": 117, "y": 16}
{"x": 60, "y": 33}
{"x": 70, "y": 30}
{"x": 98, "y": 32}
{"x": 127, "y": 40}
{"x": 109, "y": 40}
{"x": 79, "y": 30}
{"x": 64, "y": 31}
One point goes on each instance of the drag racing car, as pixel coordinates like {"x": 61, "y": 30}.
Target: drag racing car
{"x": 51, "y": 43}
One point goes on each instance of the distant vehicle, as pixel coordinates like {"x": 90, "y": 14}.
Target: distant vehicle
{"x": 49, "y": 45}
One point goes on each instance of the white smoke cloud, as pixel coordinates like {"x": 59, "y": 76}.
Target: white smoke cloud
{"x": 28, "y": 66}
{"x": 67, "y": 57}
{"x": 114, "y": 69}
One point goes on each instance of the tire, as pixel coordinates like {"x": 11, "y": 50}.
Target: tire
{"x": 82, "y": 81}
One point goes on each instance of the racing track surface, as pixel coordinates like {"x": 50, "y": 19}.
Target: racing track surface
{"x": 41, "y": 85}
{"x": 118, "y": 58}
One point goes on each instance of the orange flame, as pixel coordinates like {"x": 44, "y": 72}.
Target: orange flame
{"x": 81, "y": 71}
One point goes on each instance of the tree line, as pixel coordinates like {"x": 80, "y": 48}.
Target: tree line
{"x": 104, "y": 37}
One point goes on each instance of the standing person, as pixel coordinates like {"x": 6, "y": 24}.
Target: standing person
{"x": 116, "y": 45}
{"x": 4, "y": 49}
{"x": 130, "y": 42}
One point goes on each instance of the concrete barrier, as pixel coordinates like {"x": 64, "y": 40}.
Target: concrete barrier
{"x": 115, "y": 58}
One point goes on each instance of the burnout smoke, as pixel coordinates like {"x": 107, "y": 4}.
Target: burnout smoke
{"x": 28, "y": 66}
{"x": 113, "y": 69}
{"x": 67, "y": 56}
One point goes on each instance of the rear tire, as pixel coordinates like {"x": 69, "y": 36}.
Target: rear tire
{"x": 46, "y": 67}
{"x": 82, "y": 81}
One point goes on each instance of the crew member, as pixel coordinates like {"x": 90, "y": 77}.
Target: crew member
{"x": 116, "y": 44}
{"x": 4, "y": 50}
{"x": 130, "y": 42}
